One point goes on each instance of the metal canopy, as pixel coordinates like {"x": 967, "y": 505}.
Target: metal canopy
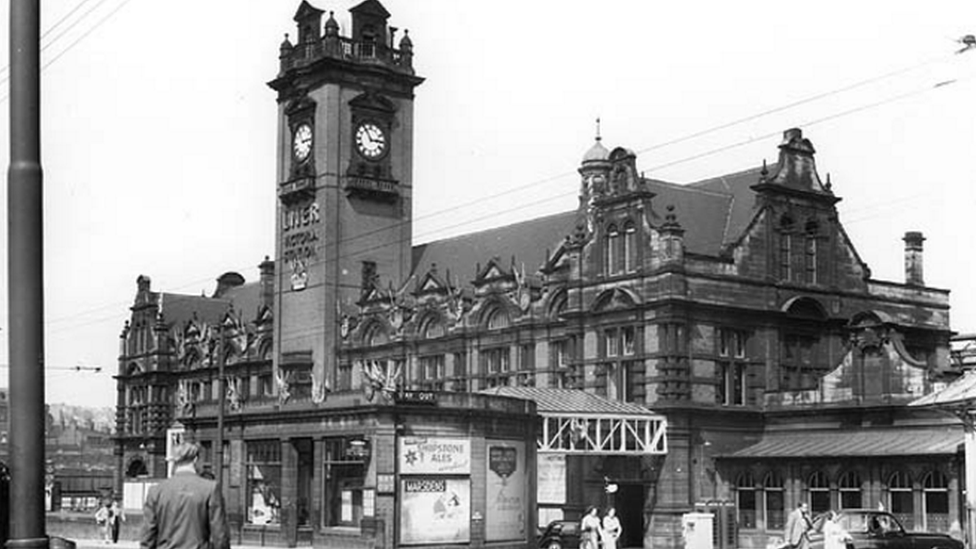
{"x": 583, "y": 433}
{"x": 580, "y": 422}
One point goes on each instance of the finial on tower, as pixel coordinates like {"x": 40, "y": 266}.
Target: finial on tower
{"x": 598, "y": 137}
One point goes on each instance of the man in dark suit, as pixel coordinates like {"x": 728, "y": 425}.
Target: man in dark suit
{"x": 185, "y": 511}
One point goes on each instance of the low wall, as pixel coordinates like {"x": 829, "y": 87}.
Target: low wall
{"x": 72, "y": 525}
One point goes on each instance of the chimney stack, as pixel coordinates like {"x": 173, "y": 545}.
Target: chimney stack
{"x": 913, "y": 258}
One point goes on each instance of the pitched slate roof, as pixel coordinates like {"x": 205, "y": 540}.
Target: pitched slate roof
{"x": 961, "y": 392}
{"x": 527, "y": 241}
{"x": 940, "y": 440}
{"x": 570, "y": 401}
{"x": 713, "y": 212}
{"x": 177, "y": 309}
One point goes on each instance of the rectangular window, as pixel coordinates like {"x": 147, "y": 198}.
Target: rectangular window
{"x": 811, "y": 260}
{"x": 344, "y": 376}
{"x": 265, "y": 385}
{"x": 611, "y": 342}
{"x": 819, "y": 500}
{"x": 673, "y": 340}
{"x": 731, "y": 384}
{"x": 496, "y": 366}
{"x": 564, "y": 371}
{"x": 785, "y": 256}
{"x": 263, "y": 481}
{"x": 460, "y": 373}
{"x": 628, "y": 340}
{"x": 747, "y": 507}
{"x": 432, "y": 373}
{"x": 526, "y": 357}
{"x": 345, "y": 474}
{"x": 775, "y": 509}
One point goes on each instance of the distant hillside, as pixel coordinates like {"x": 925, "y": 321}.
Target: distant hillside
{"x": 98, "y": 419}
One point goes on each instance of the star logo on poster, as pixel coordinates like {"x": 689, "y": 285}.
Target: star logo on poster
{"x": 411, "y": 457}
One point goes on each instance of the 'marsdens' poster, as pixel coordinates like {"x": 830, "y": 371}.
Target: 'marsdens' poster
{"x": 505, "y": 481}
{"x": 435, "y": 510}
{"x": 434, "y": 455}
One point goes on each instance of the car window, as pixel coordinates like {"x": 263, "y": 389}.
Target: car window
{"x": 570, "y": 528}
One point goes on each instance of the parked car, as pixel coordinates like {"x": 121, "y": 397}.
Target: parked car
{"x": 560, "y": 534}
{"x": 873, "y": 529}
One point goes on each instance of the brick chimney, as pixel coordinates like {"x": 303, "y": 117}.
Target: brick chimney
{"x": 913, "y": 258}
{"x": 267, "y": 281}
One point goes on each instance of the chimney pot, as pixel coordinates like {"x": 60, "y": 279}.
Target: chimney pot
{"x": 914, "y": 274}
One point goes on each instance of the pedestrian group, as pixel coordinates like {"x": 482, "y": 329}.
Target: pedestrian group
{"x": 798, "y": 524}
{"x": 594, "y": 531}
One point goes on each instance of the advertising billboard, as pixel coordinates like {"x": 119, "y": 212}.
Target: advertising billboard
{"x": 435, "y": 510}
{"x": 506, "y": 503}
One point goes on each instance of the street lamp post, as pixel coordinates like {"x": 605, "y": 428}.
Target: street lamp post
{"x": 25, "y": 268}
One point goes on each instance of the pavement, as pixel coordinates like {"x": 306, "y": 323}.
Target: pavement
{"x": 129, "y": 544}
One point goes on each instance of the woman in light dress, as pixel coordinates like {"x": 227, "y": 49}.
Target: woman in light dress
{"x": 611, "y": 529}
{"x": 835, "y": 537}
{"x": 590, "y": 528}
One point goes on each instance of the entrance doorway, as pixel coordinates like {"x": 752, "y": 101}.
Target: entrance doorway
{"x": 629, "y": 503}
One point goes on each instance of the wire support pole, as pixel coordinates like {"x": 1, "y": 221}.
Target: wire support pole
{"x": 26, "y": 280}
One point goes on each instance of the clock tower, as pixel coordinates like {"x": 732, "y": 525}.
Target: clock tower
{"x": 344, "y": 182}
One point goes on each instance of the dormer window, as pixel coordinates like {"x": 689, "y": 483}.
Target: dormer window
{"x": 367, "y": 46}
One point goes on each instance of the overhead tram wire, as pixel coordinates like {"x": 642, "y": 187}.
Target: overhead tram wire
{"x": 809, "y": 123}
{"x": 50, "y": 29}
{"x": 75, "y": 42}
{"x": 806, "y": 100}
{"x": 565, "y": 174}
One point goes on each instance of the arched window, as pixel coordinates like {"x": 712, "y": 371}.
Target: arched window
{"x": 630, "y": 247}
{"x": 850, "y": 490}
{"x": 497, "y": 319}
{"x": 745, "y": 500}
{"x": 611, "y": 254}
{"x": 774, "y": 501}
{"x": 819, "y": 488}
{"x": 137, "y": 468}
{"x": 935, "y": 491}
{"x": 901, "y": 500}
{"x": 432, "y": 328}
{"x": 375, "y": 335}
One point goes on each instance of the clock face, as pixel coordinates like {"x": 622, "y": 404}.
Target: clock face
{"x": 302, "y": 142}
{"x": 370, "y": 140}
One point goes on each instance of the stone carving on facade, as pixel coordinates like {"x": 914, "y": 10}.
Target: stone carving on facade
{"x": 399, "y": 313}
{"x": 184, "y": 402}
{"x": 299, "y": 274}
{"x": 319, "y": 390}
{"x": 523, "y": 293}
{"x": 380, "y": 378}
{"x": 234, "y": 397}
{"x": 282, "y": 380}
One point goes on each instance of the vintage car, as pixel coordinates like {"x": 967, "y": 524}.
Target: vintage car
{"x": 560, "y": 534}
{"x": 870, "y": 528}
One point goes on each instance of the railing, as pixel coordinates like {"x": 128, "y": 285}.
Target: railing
{"x": 338, "y": 47}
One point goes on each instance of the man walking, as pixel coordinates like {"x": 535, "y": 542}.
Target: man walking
{"x": 797, "y": 525}
{"x": 185, "y": 511}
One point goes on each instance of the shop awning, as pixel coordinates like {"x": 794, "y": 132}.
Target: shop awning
{"x": 941, "y": 440}
{"x": 578, "y": 422}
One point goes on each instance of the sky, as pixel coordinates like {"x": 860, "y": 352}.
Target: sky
{"x": 158, "y": 142}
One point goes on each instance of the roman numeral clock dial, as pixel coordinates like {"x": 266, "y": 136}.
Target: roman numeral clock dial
{"x": 370, "y": 140}
{"x": 302, "y": 142}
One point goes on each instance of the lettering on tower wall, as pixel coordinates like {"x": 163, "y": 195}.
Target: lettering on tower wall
{"x": 299, "y": 241}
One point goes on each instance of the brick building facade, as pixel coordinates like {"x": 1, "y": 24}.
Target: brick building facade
{"x": 736, "y": 308}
